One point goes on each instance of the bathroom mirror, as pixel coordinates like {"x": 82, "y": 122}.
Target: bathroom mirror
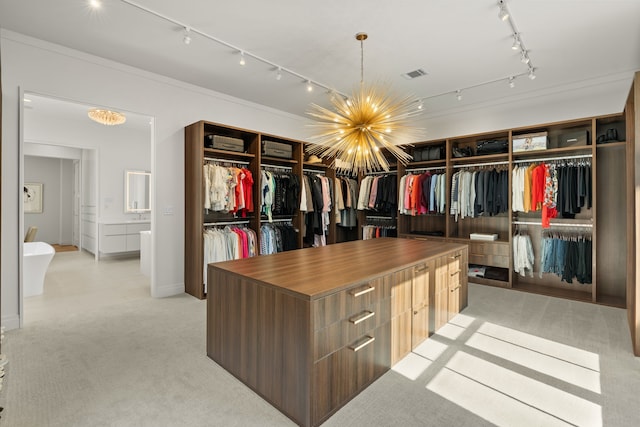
{"x": 136, "y": 191}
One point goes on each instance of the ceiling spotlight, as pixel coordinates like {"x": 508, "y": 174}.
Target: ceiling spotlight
{"x": 96, "y": 4}
{"x": 504, "y": 13}
{"x": 516, "y": 42}
{"x": 187, "y": 35}
{"x": 532, "y": 74}
{"x": 242, "y": 61}
{"x": 420, "y": 105}
{"x": 459, "y": 95}
{"x": 279, "y": 73}
{"x": 524, "y": 57}
{"x": 309, "y": 86}
{"x": 512, "y": 82}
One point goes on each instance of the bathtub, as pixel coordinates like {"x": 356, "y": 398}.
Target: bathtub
{"x": 36, "y": 259}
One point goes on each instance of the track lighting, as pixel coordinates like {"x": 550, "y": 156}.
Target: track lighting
{"x": 279, "y": 73}
{"x": 504, "y": 13}
{"x": 459, "y": 95}
{"x": 420, "y": 105}
{"x": 309, "y": 86}
{"x": 242, "y": 61}
{"x": 516, "y": 42}
{"x": 512, "y": 82}
{"x": 524, "y": 58}
{"x": 187, "y": 35}
{"x": 532, "y": 74}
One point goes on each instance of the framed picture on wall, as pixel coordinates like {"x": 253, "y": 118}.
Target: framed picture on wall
{"x": 32, "y": 197}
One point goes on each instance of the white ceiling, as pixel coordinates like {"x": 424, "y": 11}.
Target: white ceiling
{"x": 460, "y": 43}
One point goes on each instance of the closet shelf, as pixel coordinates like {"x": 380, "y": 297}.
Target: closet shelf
{"x": 552, "y": 151}
{"x": 215, "y": 151}
{"x": 278, "y": 160}
{"x": 480, "y": 159}
{"x": 571, "y": 294}
{"x": 611, "y": 145}
{"x": 434, "y": 163}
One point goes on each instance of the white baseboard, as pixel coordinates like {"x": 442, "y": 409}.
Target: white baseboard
{"x": 11, "y": 322}
{"x": 167, "y": 290}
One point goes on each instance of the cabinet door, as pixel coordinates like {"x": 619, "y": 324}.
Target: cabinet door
{"x": 441, "y": 293}
{"x": 401, "y": 296}
{"x": 454, "y": 284}
{"x": 420, "y": 305}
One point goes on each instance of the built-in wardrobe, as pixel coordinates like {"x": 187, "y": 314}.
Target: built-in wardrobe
{"x": 247, "y": 152}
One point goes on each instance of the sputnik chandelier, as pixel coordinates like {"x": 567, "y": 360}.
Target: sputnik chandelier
{"x": 357, "y": 130}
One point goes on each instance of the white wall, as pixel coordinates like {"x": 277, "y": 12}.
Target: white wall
{"x": 49, "y": 69}
{"x": 55, "y": 222}
{"x": 117, "y": 148}
{"x": 44, "y": 68}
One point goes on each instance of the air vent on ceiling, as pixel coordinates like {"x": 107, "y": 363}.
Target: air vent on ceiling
{"x": 415, "y": 73}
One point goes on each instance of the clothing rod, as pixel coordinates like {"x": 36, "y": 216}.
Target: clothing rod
{"x": 207, "y": 224}
{"x": 277, "y": 167}
{"x": 426, "y": 169}
{"x": 238, "y": 162}
{"x": 379, "y": 173}
{"x": 481, "y": 164}
{"x": 554, "y": 224}
{"x": 542, "y": 159}
{"x": 379, "y": 217}
{"x": 278, "y": 220}
{"x": 321, "y": 172}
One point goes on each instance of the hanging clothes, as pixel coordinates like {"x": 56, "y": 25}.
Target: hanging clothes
{"x": 377, "y": 231}
{"x": 523, "y": 255}
{"x": 276, "y": 238}
{"x": 421, "y": 194}
{"x": 227, "y": 243}
{"x": 318, "y": 214}
{"x": 567, "y": 256}
{"x": 476, "y": 193}
{"x": 346, "y": 201}
{"x": 227, "y": 189}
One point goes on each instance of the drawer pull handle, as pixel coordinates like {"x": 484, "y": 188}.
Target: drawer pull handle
{"x": 364, "y": 344}
{"x": 421, "y": 269}
{"x": 363, "y": 317}
{"x": 455, "y": 272}
{"x": 456, "y": 288}
{"x": 456, "y": 256}
{"x": 364, "y": 291}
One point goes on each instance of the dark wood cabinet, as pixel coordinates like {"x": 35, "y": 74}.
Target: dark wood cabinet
{"x": 309, "y": 329}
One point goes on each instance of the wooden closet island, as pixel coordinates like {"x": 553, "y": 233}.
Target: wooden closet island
{"x": 309, "y": 329}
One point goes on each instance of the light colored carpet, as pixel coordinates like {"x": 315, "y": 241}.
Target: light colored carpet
{"x": 510, "y": 359}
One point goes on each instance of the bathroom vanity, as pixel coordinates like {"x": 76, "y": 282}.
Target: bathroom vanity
{"x": 120, "y": 237}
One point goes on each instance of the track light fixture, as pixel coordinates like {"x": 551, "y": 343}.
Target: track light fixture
{"x": 504, "y": 13}
{"x": 309, "y": 86}
{"x": 532, "y": 74}
{"x": 459, "y": 95}
{"x": 524, "y": 58}
{"x": 242, "y": 61}
{"x": 279, "y": 73}
{"x": 512, "y": 82}
{"x": 516, "y": 42}
{"x": 187, "y": 35}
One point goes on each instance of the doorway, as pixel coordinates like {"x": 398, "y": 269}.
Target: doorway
{"x": 80, "y": 165}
